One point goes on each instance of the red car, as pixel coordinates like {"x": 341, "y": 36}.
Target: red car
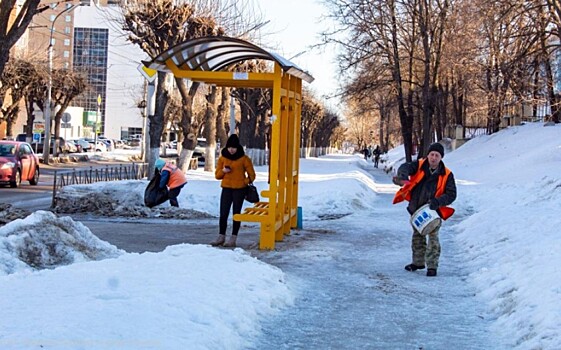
{"x": 18, "y": 163}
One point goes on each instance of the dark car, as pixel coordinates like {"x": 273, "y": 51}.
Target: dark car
{"x": 63, "y": 146}
{"x": 18, "y": 163}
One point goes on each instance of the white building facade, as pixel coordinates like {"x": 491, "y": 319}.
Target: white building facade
{"x": 118, "y": 86}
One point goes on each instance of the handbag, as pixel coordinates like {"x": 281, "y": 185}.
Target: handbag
{"x": 251, "y": 194}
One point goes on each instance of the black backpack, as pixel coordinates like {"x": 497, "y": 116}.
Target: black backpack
{"x": 154, "y": 195}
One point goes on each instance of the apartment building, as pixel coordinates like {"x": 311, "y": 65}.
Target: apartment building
{"x": 88, "y": 39}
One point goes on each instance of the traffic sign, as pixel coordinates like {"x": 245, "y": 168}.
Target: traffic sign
{"x": 66, "y": 117}
{"x": 36, "y": 137}
{"x": 38, "y": 127}
{"x": 148, "y": 73}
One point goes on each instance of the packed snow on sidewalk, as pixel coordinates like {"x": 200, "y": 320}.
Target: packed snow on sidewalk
{"x": 61, "y": 287}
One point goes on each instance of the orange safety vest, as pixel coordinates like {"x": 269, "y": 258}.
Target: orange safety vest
{"x": 176, "y": 176}
{"x": 404, "y": 193}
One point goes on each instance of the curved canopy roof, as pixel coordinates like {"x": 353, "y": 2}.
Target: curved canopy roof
{"x": 215, "y": 53}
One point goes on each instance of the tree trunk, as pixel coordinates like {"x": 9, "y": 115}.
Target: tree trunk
{"x": 157, "y": 121}
{"x": 210, "y": 129}
{"x": 222, "y": 116}
{"x": 188, "y": 127}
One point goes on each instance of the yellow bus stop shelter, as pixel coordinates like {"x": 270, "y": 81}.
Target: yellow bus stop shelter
{"x": 205, "y": 60}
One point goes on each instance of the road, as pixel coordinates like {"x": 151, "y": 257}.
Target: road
{"x": 40, "y": 197}
{"x": 132, "y": 234}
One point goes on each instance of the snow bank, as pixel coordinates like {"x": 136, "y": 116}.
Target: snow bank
{"x": 45, "y": 241}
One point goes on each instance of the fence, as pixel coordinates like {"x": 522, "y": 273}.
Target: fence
{"x": 134, "y": 171}
{"x": 261, "y": 157}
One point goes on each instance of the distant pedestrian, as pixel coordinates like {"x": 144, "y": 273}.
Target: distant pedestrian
{"x": 426, "y": 181}
{"x": 376, "y": 156}
{"x": 366, "y": 153}
{"x": 235, "y": 169}
{"x": 173, "y": 178}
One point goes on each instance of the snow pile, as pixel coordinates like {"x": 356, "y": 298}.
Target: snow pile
{"x": 10, "y": 213}
{"x": 186, "y": 297}
{"x": 510, "y": 194}
{"x": 122, "y": 199}
{"x": 44, "y": 241}
{"x": 350, "y": 190}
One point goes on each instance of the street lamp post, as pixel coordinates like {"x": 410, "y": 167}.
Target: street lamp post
{"x": 47, "y": 107}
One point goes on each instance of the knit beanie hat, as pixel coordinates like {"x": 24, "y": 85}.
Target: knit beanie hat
{"x": 436, "y": 147}
{"x": 233, "y": 141}
{"x": 160, "y": 163}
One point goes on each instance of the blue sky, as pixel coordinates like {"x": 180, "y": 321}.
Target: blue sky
{"x": 295, "y": 26}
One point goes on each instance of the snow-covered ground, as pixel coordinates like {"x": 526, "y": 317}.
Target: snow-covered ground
{"x": 61, "y": 287}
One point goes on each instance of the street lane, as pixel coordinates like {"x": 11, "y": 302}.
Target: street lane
{"x": 40, "y": 197}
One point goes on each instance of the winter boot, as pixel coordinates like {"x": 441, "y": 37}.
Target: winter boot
{"x": 231, "y": 242}
{"x": 218, "y": 241}
{"x": 431, "y": 272}
{"x": 413, "y": 267}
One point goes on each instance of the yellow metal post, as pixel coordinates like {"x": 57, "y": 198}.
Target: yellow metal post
{"x": 267, "y": 238}
{"x": 296, "y": 150}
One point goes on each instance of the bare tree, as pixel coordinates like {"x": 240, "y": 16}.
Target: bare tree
{"x": 14, "y": 22}
{"x": 221, "y": 116}
{"x": 368, "y": 29}
{"x": 16, "y": 79}
{"x": 67, "y": 85}
{"x": 156, "y": 27}
{"x": 210, "y": 127}
{"x": 312, "y": 114}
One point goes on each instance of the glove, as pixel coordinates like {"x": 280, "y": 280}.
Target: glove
{"x": 433, "y": 204}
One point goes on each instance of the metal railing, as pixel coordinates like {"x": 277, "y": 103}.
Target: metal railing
{"x": 133, "y": 171}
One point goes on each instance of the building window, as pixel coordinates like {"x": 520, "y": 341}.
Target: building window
{"x": 66, "y": 54}
{"x": 66, "y": 65}
{"x": 52, "y": 18}
{"x": 66, "y": 30}
{"x": 68, "y": 5}
{"x": 90, "y": 53}
{"x": 66, "y": 42}
{"x": 68, "y": 18}
{"x": 53, "y": 41}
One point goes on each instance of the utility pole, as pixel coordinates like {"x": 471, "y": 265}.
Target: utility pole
{"x": 48, "y": 108}
{"x": 96, "y": 127}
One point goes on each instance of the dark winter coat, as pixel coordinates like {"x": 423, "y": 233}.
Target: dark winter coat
{"x": 426, "y": 188}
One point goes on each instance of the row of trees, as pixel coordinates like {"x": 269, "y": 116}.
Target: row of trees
{"x": 157, "y": 27}
{"x": 193, "y": 109}
{"x": 25, "y": 80}
{"x": 435, "y": 63}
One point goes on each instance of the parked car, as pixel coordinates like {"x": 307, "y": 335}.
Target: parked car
{"x": 18, "y": 163}
{"x": 79, "y": 148}
{"x": 108, "y": 143}
{"x": 200, "y": 148}
{"x": 86, "y": 146}
{"x": 119, "y": 144}
{"x": 100, "y": 147}
{"x": 63, "y": 146}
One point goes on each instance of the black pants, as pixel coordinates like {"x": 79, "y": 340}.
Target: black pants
{"x": 228, "y": 197}
{"x": 173, "y": 193}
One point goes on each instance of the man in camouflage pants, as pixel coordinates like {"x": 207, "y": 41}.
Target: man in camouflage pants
{"x": 426, "y": 181}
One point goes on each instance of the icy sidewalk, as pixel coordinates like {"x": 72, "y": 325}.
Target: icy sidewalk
{"x": 353, "y": 292}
